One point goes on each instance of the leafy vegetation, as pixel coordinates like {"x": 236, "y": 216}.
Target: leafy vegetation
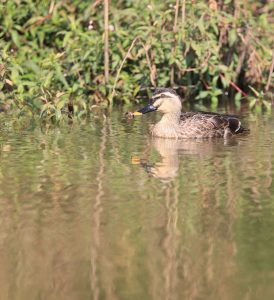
{"x": 53, "y": 58}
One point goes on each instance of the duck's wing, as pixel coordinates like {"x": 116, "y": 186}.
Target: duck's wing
{"x": 207, "y": 121}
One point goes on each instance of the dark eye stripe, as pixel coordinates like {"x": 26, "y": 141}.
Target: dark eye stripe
{"x": 160, "y": 96}
{"x": 156, "y": 97}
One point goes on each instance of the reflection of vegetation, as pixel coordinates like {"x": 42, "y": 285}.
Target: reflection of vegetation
{"x": 258, "y": 101}
{"x": 70, "y": 194}
{"x": 52, "y": 51}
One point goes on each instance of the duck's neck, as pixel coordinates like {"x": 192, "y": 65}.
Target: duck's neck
{"x": 171, "y": 119}
{"x": 168, "y": 126}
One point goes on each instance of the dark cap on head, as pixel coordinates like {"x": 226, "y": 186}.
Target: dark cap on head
{"x": 164, "y": 90}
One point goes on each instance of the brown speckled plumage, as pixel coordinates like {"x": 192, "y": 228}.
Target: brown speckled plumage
{"x": 197, "y": 125}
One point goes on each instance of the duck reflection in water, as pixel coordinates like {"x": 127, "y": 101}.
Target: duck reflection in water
{"x": 172, "y": 151}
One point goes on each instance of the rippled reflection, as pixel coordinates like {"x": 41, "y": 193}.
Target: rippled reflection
{"x": 170, "y": 151}
{"x": 79, "y": 219}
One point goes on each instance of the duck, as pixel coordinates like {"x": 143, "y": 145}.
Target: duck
{"x": 176, "y": 124}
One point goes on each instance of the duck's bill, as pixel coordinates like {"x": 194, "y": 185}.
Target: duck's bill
{"x": 145, "y": 110}
{"x": 136, "y": 113}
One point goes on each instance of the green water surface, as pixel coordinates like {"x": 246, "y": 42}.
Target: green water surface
{"x": 99, "y": 210}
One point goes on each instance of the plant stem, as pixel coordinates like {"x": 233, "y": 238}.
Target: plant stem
{"x": 106, "y": 50}
{"x": 235, "y": 86}
{"x": 120, "y": 69}
{"x": 183, "y": 12}
{"x": 270, "y": 73}
{"x": 242, "y": 55}
{"x": 174, "y": 42}
{"x": 151, "y": 66}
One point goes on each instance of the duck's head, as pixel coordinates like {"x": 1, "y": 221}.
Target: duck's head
{"x": 164, "y": 100}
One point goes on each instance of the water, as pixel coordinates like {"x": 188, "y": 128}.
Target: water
{"x": 101, "y": 211}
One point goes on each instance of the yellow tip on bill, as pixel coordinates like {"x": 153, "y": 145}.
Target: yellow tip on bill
{"x": 135, "y": 160}
{"x": 136, "y": 113}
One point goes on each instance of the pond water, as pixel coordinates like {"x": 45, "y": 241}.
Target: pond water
{"x": 101, "y": 211}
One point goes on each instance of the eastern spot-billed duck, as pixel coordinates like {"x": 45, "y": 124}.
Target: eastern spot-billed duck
{"x": 178, "y": 125}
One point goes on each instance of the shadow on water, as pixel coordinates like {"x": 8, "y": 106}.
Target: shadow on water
{"x": 79, "y": 219}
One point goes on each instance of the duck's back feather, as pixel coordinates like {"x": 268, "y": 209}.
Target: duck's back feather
{"x": 208, "y": 124}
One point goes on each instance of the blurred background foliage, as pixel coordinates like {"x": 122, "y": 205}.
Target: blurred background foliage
{"x": 52, "y": 52}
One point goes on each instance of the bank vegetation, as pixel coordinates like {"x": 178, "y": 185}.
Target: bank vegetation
{"x": 64, "y": 57}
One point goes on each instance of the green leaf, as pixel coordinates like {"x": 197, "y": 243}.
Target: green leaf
{"x": 225, "y": 82}
{"x": 252, "y": 103}
{"x": 214, "y": 103}
{"x": 217, "y": 92}
{"x": 238, "y": 97}
{"x": 267, "y": 105}
{"x": 202, "y": 95}
{"x": 232, "y": 37}
{"x": 61, "y": 103}
{"x": 15, "y": 38}
{"x": 48, "y": 79}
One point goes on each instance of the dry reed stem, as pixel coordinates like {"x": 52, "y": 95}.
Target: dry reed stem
{"x": 120, "y": 69}
{"x": 237, "y": 9}
{"x": 270, "y": 73}
{"x": 152, "y": 68}
{"x": 242, "y": 55}
{"x": 51, "y": 7}
{"x": 183, "y": 12}
{"x": 176, "y": 16}
{"x": 106, "y": 45}
{"x": 174, "y": 42}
